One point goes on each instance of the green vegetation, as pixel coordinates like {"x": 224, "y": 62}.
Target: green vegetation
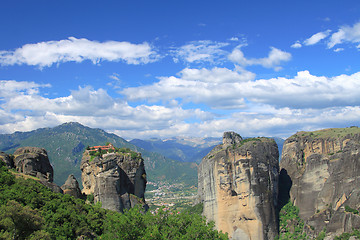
{"x": 322, "y": 235}
{"x": 346, "y": 236}
{"x": 29, "y": 210}
{"x": 290, "y": 224}
{"x": 351, "y": 210}
{"x": 329, "y": 133}
{"x": 66, "y": 143}
{"x": 254, "y": 140}
{"x": 100, "y": 152}
{"x": 162, "y": 225}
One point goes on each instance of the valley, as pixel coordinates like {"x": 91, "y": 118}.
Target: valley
{"x": 176, "y": 196}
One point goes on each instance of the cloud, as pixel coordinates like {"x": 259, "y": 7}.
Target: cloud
{"x": 115, "y": 76}
{"x": 237, "y": 101}
{"x": 9, "y": 87}
{"x": 314, "y": 39}
{"x": 345, "y": 33}
{"x": 45, "y": 54}
{"x": 338, "y": 50}
{"x": 297, "y": 44}
{"x": 222, "y": 88}
{"x": 25, "y": 109}
{"x": 215, "y": 87}
{"x": 305, "y": 91}
{"x": 280, "y": 122}
{"x": 199, "y": 51}
{"x": 273, "y": 60}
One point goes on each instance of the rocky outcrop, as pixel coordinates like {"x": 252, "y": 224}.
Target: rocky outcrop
{"x": 323, "y": 178}
{"x": 33, "y": 161}
{"x": 7, "y": 159}
{"x": 71, "y": 187}
{"x": 117, "y": 180}
{"x": 238, "y": 186}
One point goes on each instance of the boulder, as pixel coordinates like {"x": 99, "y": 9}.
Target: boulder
{"x": 238, "y": 186}
{"x": 33, "y": 161}
{"x": 71, "y": 187}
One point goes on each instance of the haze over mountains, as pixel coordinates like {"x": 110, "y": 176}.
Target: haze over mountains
{"x": 186, "y": 149}
{"x": 66, "y": 143}
{"x": 181, "y": 149}
{"x": 171, "y": 160}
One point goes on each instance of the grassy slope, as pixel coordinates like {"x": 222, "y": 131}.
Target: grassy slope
{"x": 329, "y": 133}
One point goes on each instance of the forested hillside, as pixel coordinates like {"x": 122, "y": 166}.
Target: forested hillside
{"x": 66, "y": 143}
{"x": 29, "y": 210}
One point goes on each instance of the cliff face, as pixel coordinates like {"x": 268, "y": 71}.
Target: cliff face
{"x": 322, "y": 169}
{"x": 33, "y": 161}
{"x": 117, "y": 180}
{"x": 9, "y": 162}
{"x": 237, "y": 183}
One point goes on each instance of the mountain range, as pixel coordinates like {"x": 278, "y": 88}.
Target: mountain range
{"x": 66, "y": 143}
{"x": 186, "y": 149}
{"x": 172, "y": 160}
{"x": 180, "y": 149}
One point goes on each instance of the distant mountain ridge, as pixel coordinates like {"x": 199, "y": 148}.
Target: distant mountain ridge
{"x": 186, "y": 149}
{"x": 181, "y": 149}
{"x": 66, "y": 143}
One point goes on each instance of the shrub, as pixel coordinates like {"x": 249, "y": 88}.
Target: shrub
{"x": 351, "y": 210}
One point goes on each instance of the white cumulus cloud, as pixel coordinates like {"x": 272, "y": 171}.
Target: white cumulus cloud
{"x": 236, "y": 100}
{"x": 45, "y": 54}
{"x": 345, "y": 34}
{"x": 274, "y": 59}
{"x": 222, "y": 88}
{"x": 314, "y": 39}
{"x": 24, "y": 109}
{"x": 297, "y": 44}
{"x": 215, "y": 87}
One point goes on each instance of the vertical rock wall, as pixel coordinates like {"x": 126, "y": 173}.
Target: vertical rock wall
{"x": 117, "y": 180}
{"x": 323, "y": 168}
{"x": 237, "y": 183}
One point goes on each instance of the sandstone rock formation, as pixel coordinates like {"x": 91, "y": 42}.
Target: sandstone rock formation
{"x": 33, "y": 161}
{"x": 71, "y": 187}
{"x": 117, "y": 180}
{"x": 323, "y": 172}
{"x": 238, "y": 185}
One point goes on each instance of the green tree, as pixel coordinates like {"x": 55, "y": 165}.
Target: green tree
{"x": 163, "y": 225}
{"x": 290, "y": 224}
{"x": 20, "y": 221}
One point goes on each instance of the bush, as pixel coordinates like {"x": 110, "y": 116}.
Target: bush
{"x": 351, "y": 210}
{"x": 38, "y": 213}
{"x": 163, "y": 225}
{"x": 290, "y": 224}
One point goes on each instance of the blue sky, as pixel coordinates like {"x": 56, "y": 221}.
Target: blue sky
{"x": 144, "y": 69}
